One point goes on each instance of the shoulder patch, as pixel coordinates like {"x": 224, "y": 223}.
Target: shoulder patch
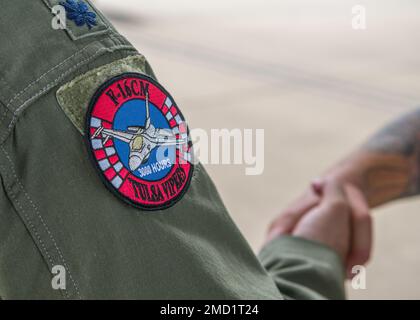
{"x": 139, "y": 141}
{"x": 81, "y": 18}
{"x": 80, "y": 13}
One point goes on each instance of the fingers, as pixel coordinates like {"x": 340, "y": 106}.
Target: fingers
{"x": 333, "y": 191}
{"x": 361, "y": 236}
{"x": 288, "y": 219}
{"x": 336, "y": 202}
{"x": 317, "y": 186}
{"x": 349, "y": 200}
{"x": 334, "y": 198}
{"x": 329, "y": 222}
{"x": 296, "y": 210}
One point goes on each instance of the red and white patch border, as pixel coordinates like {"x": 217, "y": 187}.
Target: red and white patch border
{"x": 116, "y": 177}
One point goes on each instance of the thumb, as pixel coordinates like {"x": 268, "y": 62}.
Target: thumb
{"x": 333, "y": 194}
{"x": 361, "y": 236}
{"x": 288, "y": 219}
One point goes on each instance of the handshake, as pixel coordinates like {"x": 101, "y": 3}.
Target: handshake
{"x": 334, "y": 213}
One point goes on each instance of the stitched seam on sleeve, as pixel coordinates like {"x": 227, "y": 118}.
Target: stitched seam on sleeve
{"x": 63, "y": 75}
{"x": 36, "y": 234}
{"x": 54, "y": 82}
{"x": 43, "y": 75}
{"x": 42, "y": 222}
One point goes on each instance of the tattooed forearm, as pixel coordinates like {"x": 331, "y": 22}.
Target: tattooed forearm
{"x": 391, "y": 160}
{"x": 402, "y": 136}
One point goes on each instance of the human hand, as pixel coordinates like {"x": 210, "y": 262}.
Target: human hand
{"x": 332, "y": 196}
{"x": 288, "y": 218}
{"x": 329, "y": 223}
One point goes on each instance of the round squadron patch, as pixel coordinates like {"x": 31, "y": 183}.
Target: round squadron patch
{"x": 139, "y": 141}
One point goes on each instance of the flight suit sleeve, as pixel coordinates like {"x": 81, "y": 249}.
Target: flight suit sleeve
{"x": 304, "y": 269}
{"x": 56, "y": 212}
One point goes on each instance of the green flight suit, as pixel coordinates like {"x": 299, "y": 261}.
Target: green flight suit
{"x": 55, "y": 211}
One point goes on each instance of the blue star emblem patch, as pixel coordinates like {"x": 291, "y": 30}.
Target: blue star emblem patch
{"x": 78, "y": 11}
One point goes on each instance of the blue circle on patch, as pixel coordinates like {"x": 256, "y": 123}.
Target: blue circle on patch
{"x": 133, "y": 114}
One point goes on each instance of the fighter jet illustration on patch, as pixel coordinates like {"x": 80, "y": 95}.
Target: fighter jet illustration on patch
{"x": 141, "y": 139}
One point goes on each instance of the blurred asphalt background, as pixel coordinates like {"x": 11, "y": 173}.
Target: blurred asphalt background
{"x": 297, "y": 69}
